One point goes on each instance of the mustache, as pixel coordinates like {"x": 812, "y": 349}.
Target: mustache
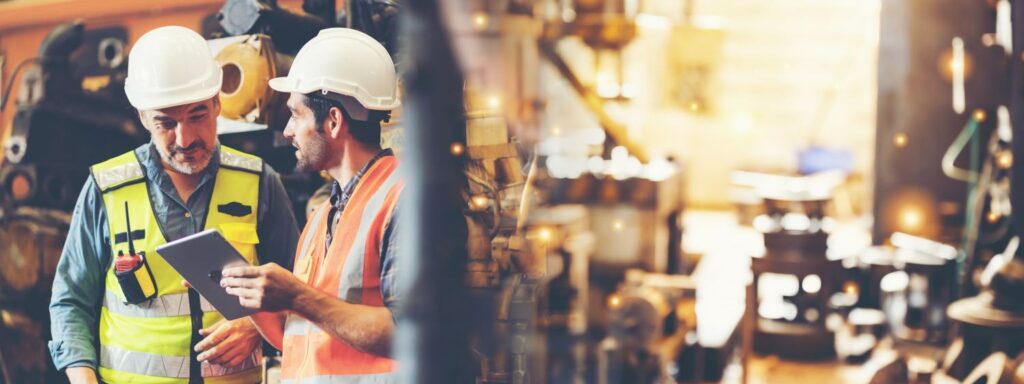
{"x": 173, "y": 149}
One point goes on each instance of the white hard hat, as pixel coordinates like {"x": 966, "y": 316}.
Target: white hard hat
{"x": 347, "y": 62}
{"x": 170, "y": 66}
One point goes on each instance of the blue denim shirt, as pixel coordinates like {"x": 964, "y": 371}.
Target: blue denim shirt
{"x": 78, "y": 286}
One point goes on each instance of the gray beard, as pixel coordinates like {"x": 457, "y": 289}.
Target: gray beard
{"x": 185, "y": 168}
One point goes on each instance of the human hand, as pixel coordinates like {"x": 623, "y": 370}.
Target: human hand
{"x": 229, "y": 342}
{"x": 267, "y": 287}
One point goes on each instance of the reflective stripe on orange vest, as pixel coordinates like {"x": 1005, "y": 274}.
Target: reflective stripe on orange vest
{"x": 350, "y": 270}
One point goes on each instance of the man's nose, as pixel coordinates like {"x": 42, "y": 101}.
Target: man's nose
{"x": 185, "y": 136}
{"x": 289, "y": 131}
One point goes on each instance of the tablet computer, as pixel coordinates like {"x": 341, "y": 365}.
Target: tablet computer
{"x": 200, "y": 258}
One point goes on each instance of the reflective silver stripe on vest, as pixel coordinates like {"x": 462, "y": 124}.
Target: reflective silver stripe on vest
{"x": 239, "y": 161}
{"x": 311, "y": 233}
{"x": 350, "y": 288}
{"x": 175, "y": 304}
{"x": 148, "y": 364}
{"x": 118, "y": 175}
{"x": 374, "y": 378}
{"x": 297, "y": 325}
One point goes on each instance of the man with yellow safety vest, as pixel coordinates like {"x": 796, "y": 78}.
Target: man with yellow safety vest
{"x": 119, "y": 312}
{"x": 334, "y": 317}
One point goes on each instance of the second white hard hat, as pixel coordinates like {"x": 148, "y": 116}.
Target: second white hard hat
{"x": 170, "y": 66}
{"x": 347, "y": 62}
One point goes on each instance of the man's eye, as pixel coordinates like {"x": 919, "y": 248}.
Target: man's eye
{"x": 166, "y": 124}
{"x": 198, "y": 118}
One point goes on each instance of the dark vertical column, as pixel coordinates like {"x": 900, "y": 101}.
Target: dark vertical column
{"x": 1017, "y": 116}
{"x": 432, "y": 344}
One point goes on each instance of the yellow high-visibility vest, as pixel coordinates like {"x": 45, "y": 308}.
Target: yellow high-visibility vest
{"x": 150, "y": 343}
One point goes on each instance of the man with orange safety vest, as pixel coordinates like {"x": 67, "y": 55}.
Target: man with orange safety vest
{"x": 333, "y": 318}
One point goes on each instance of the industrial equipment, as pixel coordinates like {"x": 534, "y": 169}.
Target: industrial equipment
{"x": 794, "y": 280}
{"x": 72, "y": 93}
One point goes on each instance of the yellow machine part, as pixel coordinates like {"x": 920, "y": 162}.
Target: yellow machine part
{"x": 247, "y": 66}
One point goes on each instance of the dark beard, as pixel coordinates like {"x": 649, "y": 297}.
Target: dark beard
{"x": 314, "y": 156}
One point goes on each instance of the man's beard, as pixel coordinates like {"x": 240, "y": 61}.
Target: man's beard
{"x": 202, "y": 156}
{"x": 313, "y": 156}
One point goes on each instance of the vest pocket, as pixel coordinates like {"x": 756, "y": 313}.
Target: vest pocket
{"x": 243, "y": 237}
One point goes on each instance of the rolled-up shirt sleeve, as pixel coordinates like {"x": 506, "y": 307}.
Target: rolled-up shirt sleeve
{"x": 78, "y": 285}
{"x": 276, "y": 225}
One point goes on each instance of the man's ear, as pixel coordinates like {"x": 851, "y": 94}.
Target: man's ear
{"x": 335, "y": 123}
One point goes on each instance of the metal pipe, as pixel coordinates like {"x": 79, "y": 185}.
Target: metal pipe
{"x": 617, "y": 131}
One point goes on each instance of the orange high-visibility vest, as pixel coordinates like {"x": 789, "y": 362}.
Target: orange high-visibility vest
{"x": 350, "y": 270}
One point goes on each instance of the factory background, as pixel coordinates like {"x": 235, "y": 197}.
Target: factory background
{"x": 605, "y": 191}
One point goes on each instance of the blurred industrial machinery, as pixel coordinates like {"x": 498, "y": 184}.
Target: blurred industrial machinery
{"x": 794, "y": 280}
{"x": 552, "y": 251}
{"x": 576, "y": 268}
{"x": 70, "y": 94}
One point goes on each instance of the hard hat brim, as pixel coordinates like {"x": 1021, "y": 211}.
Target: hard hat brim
{"x": 289, "y": 85}
{"x": 154, "y": 102}
{"x": 281, "y": 84}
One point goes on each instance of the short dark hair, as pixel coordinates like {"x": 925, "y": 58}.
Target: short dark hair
{"x": 365, "y": 132}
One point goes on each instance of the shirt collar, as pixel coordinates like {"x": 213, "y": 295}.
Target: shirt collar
{"x": 340, "y": 195}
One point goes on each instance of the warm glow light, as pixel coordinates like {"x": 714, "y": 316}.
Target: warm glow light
{"x": 457, "y": 149}
{"x": 900, "y": 140}
{"x": 911, "y": 219}
{"x": 494, "y": 101}
{"x": 979, "y": 115}
{"x": 851, "y": 288}
{"x": 1004, "y": 159}
{"x": 992, "y": 217}
{"x": 956, "y": 65}
{"x": 618, "y": 225}
{"x": 614, "y": 301}
{"x": 545, "y": 234}
{"x": 694, "y": 107}
{"x": 481, "y": 20}
{"x": 479, "y": 201}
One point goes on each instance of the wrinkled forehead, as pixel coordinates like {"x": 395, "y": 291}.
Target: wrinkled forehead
{"x": 180, "y": 112}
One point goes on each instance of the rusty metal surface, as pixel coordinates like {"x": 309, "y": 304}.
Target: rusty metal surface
{"x": 30, "y": 247}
